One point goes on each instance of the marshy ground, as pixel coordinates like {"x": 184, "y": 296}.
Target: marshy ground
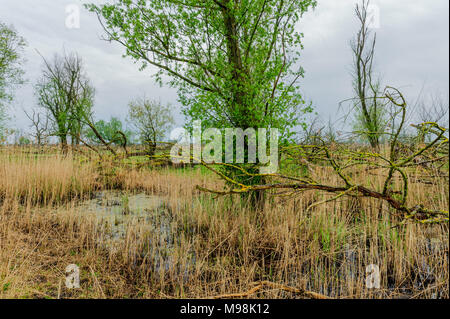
{"x": 148, "y": 233}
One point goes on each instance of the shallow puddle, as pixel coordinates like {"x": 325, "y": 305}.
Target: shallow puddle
{"x": 119, "y": 212}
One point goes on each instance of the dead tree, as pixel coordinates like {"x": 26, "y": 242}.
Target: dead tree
{"x": 366, "y": 87}
{"x": 40, "y": 127}
{"x": 342, "y": 158}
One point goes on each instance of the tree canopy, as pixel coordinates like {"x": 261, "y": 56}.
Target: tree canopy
{"x": 65, "y": 91}
{"x": 109, "y": 130}
{"x": 151, "y": 119}
{"x": 234, "y": 62}
{"x": 11, "y": 73}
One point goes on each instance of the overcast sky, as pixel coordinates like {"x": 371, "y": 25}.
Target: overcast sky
{"x": 412, "y": 52}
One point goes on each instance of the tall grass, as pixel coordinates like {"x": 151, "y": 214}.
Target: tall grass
{"x": 200, "y": 245}
{"x": 45, "y": 180}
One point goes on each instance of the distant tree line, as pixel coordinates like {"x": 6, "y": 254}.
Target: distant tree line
{"x": 66, "y": 95}
{"x": 236, "y": 67}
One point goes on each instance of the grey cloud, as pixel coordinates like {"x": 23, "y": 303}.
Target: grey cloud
{"x": 412, "y": 49}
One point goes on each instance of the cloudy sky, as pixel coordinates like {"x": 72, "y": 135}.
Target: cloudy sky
{"x": 412, "y": 53}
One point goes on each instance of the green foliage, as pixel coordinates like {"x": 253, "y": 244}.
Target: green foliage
{"x": 109, "y": 132}
{"x": 11, "y": 73}
{"x": 3, "y": 120}
{"x": 371, "y": 126}
{"x": 24, "y": 141}
{"x": 65, "y": 91}
{"x": 151, "y": 119}
{"x": 233, "y": 62}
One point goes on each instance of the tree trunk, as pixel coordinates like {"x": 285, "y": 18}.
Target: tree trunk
{"x": 64, "y": 145}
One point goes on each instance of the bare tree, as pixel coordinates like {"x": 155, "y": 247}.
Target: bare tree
{"x": 369, "y": 117}
{"x": 434, "y": 109}
{"x": 312, "y": 132}
{"x": 66, "y": 93}
{"x": 151, "y": 119}
{"x": 40, "y": 125}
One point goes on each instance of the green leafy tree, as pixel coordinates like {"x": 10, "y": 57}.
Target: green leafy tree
{"x": 235, "y": 63}
{"x": 67, "y": 95}
{"x": 110, "y": 132}
{"x": 152, "y": 120}
{"x": 11, "y": 73}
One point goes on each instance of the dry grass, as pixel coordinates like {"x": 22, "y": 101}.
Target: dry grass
{"x": 214, "y": 246}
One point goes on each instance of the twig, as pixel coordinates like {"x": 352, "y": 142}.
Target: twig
{"x": 262, "y": 284}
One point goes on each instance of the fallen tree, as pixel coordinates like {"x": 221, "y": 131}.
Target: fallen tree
{"x": 339, "y": 158}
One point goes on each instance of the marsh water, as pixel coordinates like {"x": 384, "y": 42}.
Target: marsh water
{"x": 118, "y": 211}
